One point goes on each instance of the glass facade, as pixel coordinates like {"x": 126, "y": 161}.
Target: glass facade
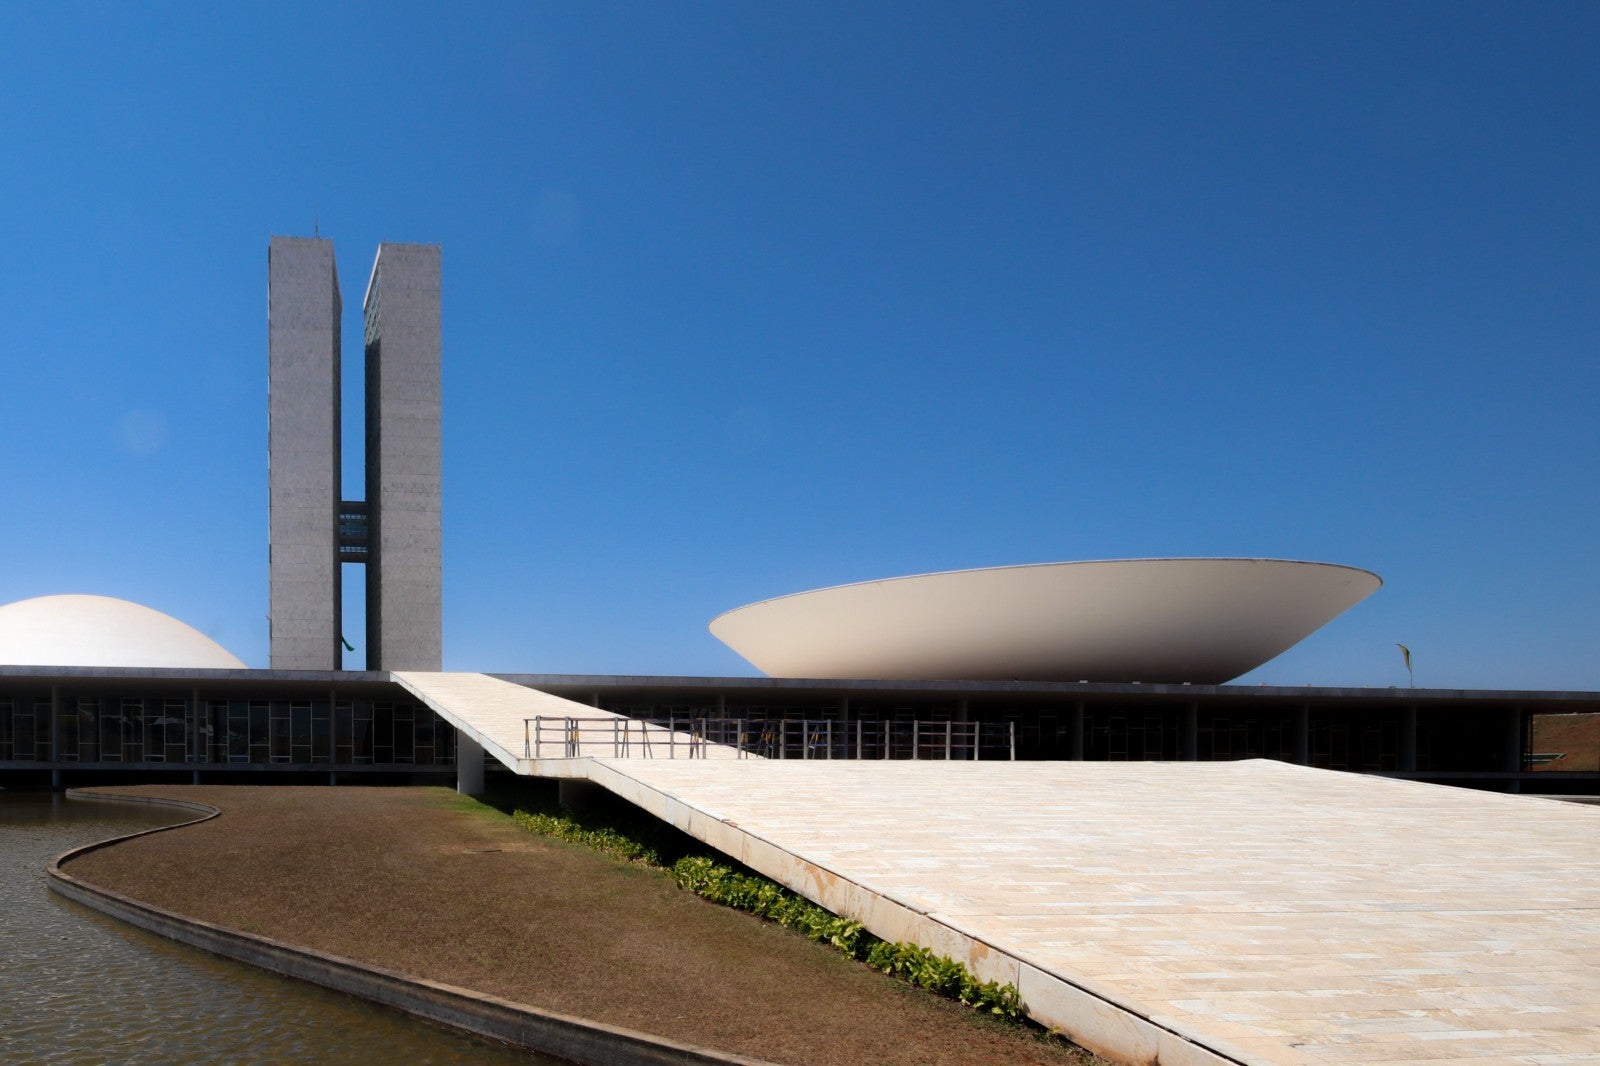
{"x": 193, "y": 730}
{"x": 284, "y": 721}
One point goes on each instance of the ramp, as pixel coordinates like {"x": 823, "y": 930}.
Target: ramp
{"x": 1183, "y": 913}
{"x": 502, "y": 718}
{"x": 1186, "y": 913}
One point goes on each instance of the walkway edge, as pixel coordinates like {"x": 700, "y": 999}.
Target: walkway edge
{"x": 576, "y": 1039}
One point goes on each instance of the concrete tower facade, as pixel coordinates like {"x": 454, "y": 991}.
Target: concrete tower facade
{"x": 403, "y": 461}
{"x": 395, "y": 531}
{"x": 303, "y": 461}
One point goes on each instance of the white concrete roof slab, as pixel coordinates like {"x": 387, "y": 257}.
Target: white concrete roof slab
{"x": 1204, "y": 912}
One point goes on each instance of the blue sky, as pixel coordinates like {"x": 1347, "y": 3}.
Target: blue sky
{"x": 745, "y": 299}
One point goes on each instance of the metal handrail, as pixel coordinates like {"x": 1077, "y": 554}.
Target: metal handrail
{"x": 769, "y": 738}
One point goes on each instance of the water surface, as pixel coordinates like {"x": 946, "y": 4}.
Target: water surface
{"x": 78, "y": 987}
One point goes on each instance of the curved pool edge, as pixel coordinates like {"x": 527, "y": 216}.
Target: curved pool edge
{"x": 579, "y": 1040}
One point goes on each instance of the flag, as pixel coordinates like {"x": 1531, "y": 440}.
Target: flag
{"x": 351, "y": 647}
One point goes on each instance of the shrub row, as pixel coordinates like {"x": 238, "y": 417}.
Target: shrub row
{"x": 947, "y": 977}
{"x": 910, "y": 963}
{"x": 599, "y": 838}
{"x": 721, "y": 884}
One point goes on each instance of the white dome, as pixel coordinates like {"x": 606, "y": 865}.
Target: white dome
{"x": 102, "y": 631}
{"x": 1197, "y": 620}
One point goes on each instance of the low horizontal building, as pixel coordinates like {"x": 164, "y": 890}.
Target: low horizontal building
{"x": 78, "y": 725}
{"x": 138, "y": 695}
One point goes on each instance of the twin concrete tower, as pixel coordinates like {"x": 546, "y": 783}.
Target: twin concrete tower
{"x": 394, "y": 532}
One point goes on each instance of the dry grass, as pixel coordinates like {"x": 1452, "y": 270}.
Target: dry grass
{"x": 424, "y": 882}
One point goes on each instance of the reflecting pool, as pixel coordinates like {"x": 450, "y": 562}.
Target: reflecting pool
{"x": 79, "y": 987}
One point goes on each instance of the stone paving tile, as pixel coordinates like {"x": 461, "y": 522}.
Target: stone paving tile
{"x": 1272, "y": 913}
{"x": 1276, "y": 913}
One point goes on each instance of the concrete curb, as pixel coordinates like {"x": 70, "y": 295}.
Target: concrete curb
{"x": 576, "y": 1039}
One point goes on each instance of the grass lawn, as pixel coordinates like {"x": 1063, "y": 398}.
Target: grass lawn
{"x": 429, "y": 883}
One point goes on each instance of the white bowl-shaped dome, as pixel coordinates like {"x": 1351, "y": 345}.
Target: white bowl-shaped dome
{"x": 102, "y": 631}
{"x": 1203, "y": 621}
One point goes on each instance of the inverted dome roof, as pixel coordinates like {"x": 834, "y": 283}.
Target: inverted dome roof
{"x": 1203, "y": 621}
{"x": 102, "y": 631}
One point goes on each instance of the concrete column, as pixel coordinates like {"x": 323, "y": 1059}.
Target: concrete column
{"x": 1075, "y": 732}
{"x": 1302, "y": 735}
{"x": 55, "y": 726}
{"x": 469, "y": 765}
{"x": 1513, "y": 746}
{"x": 200, "y": 716}
{"x": 844, "y": 708}
{"x": 1191, "y": 732}
{"x": 1408, "y": 739}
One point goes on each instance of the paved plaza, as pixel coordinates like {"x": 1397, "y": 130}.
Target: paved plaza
{"x": 1250, "y": 912}
{"x": 1268, "y": 913}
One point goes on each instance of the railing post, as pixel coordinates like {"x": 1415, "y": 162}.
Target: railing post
{"x": 947, "y": 726}
{"x": 672, "y": 736}
{"x": 1011, "y": 730}
{"x": 916, "y": 739}
{"x": 527, "y": 741}
{"x": 888, "y": 737}
{"x": 830, "y": 738}
{"x": 859, "y": 753}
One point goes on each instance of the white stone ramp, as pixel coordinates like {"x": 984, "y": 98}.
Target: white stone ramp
{"x": 494, "y": 714}
{"x": 1249, "y": 912}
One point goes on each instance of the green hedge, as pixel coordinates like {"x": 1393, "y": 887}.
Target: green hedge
{"x": 910, "y": 963}
{"x": 722, "y": 884}
{"x": 757, "y": 895}
{"x": 598, "y": 838}
{"x": 947, "y": 977}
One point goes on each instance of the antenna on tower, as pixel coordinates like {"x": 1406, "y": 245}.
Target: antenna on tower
{"x": 316, "y": 223}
